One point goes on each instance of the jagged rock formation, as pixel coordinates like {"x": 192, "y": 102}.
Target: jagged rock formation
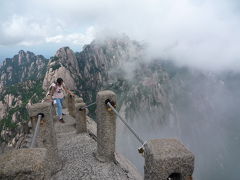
{"x": 21, "y": 67}
{"x": 21, "y": 81}
{"x": 102, "y": 62}
{"x": 64, "y": 64}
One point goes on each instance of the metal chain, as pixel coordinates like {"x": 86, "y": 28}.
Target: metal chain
{"x": 36, "y": 131}
{"x": 126, "y": 124}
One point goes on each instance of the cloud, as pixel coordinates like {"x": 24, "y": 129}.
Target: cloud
{"x": 19, "y": 30}
{"x": 25, "y": 31}
{"x": 199, "y": 34}
{"x": 75, "y": 38}
{"x": 202, "y": 34}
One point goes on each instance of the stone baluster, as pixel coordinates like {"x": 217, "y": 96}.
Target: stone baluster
{"x": 25, "y": 164}
{"x": 106, "y": 127}
{"x": 81, "y": 118}
{"x": 71, "y": 106}
{"x": 167, "y": 159}
{"x": 46, "y": 137}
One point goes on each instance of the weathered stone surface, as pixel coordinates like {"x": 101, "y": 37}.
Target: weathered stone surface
{"x": 33, "y": 122}
{"x": 71, "y": 105}
{"x": 164, "y": 157}
{"x": 62, "y": 72}
{"x": 47, "y": 136}
{"x": 24, "y": 164}
{"x": 81, "y": 118}
{"x": 91, "y": 126}
{"x": 76, "y": 151}
{"x": 78, "y": 100}
{"x": 37, "y": 108}
{"x": 64, "y": 65}
{"x": 106, "y": 127}
{"x": 68, "y": 58}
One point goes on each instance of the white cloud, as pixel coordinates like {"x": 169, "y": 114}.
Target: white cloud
{"x": 55, "y": 39}
{"x": 19, "y": 30}
{"x": 204, "y": 34}
{"x": 75, "y": 38}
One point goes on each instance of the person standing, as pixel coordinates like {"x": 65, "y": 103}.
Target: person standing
{"x": 57, "y": 96}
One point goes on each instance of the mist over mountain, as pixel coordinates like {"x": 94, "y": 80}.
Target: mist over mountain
{"x": 156, "y": 96}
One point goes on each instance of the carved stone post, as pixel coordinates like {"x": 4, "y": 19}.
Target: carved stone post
{"x": 106, "y": 127}
{"x": 167, "y": 158}
{"x": 33, "y": 122}
{"x": 46, "y": 137}
{"x": 25, "y": 164}
{"x": 71, "y": 105}
{"x": 81, "y": 119}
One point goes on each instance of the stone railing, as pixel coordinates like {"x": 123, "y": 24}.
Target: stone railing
{"x": 34, "y": 163}
{"x": 165, "y": 159}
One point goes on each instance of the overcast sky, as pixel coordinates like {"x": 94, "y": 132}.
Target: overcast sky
{"x": 200, "y": 33}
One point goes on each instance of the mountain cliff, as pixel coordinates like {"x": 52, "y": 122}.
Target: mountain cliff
{"x": 21, "y": 83}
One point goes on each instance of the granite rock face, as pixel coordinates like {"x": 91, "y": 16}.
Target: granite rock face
{"x": 65, "y": 65}
{"x": 52, "y": 75}
{"x": 68, "y": 58}
{"x": 20, "y": 77}
{"x": 23, "y": 66}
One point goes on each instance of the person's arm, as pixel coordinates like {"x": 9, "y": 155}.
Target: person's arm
{"x": 68, "y": 91}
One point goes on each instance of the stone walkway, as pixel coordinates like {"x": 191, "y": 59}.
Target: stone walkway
{"x": 77, "y": 154}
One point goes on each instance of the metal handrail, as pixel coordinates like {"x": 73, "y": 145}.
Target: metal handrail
{"x": 80, "y": 109}
{"x": 36, "y": 130}
{"x": 126, "y": 124}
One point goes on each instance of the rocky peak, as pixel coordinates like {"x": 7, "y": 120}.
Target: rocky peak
{"x": 21, "y": 53}
{"x": 65, "y": 65}
{"x": 23, "y": 66}
{"x": 68, "y": 59}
